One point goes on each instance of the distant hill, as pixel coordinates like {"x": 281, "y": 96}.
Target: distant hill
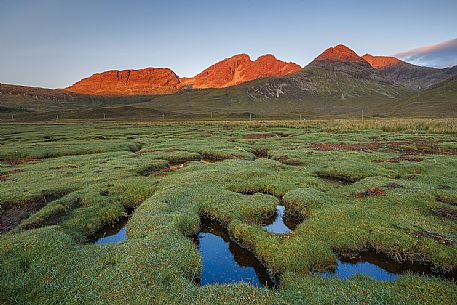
{"x": 37, "y": 99}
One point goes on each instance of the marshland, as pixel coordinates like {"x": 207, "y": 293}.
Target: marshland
{"x": 328, "y": 211}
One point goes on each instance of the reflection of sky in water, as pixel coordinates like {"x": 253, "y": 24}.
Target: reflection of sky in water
{"x": 115, "y": 238}
{"x": 278, "y": 226}
{"x": 111, "y": 234}
{"x": 219, "y": 264}
{"x": 224, "y": 261}
{"x": 345, "y": 270}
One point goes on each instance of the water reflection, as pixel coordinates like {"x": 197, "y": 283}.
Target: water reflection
{"x": 111, "y": 234}
{"x": 378, "y": 267}
{"x": 224, "y": 261}
{"x": 281, "y": 223}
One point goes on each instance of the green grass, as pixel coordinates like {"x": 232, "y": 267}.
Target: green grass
{"x": 97, "y": 170}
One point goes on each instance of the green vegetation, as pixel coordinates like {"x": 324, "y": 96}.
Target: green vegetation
{"x": 59, "y": 184}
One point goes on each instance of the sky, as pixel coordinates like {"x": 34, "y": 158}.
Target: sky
{"x": 439, "y": 55}
{"x": 54, "y": 43}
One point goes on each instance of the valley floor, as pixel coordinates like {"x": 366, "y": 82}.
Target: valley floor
{"x": 386, "y": 186}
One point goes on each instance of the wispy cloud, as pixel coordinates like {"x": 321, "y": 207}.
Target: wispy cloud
{"x": 440, "y": 55}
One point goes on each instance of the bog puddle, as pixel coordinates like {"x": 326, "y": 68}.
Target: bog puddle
{"x": 281, "y": 223}
{"x": 224, "y": 261}
{"x": 111, "y": 234}
{"x": 378, "y": 267}
{"x": 336, "y": 181}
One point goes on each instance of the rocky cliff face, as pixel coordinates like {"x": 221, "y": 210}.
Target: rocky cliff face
{"x": 239, "y": 69}
{"x": 129, "y": 82}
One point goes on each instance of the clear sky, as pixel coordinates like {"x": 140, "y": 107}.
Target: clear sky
{"x": 54, "y": 43}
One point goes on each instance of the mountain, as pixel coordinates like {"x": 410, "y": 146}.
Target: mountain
{"x": 151, "y": 81}
{"x": 147, "y": 81}
{"x": 337, "y": 74}
{"x": 239, "y": 69}
{"x": 408, "y": 75}
{"x": 342, "y": 59}
{"x": 337, "y": 83}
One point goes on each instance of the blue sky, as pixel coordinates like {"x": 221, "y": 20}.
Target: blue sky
{"x": 54, "y": 43}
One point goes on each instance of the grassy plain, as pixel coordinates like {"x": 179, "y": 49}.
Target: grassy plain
{"x": 61, "y": 183}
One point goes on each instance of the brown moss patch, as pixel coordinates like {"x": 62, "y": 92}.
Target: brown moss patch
{"x": 371, "y": 192}
{"x": 446, "y": 213}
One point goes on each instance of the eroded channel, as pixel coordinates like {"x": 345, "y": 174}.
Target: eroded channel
{"x": 224, "y": 261}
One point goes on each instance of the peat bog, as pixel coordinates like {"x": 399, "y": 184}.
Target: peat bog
{"x": 290, "y": 206}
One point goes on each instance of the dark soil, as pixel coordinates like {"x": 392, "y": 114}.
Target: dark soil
{"x": 261, "y": 153}
{"x": 12, "y": 214}
{"x": 371, "y": 192}
{"x": 392, "y": 185}
{"x": 338, "y": 179}
{"x": 174, "y": 167}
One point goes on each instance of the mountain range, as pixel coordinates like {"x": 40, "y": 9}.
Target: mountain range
{"x": 338, "y": 82}
{"x": 228, "y": 72}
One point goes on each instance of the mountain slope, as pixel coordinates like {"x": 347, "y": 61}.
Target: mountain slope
{"x": 35, "y": 99}
{"x": 440, "y": 99}
{"x": 411, "y": 76}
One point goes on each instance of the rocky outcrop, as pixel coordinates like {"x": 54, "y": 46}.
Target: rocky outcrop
{"x": 239, "y": 69}
{"x": 129, "y": 82}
